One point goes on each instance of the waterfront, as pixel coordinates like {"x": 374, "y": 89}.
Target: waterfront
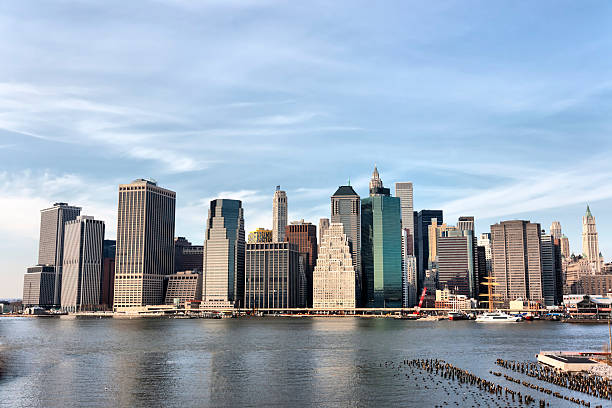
{"x": 53, "y": 362}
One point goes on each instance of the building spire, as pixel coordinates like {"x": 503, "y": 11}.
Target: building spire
{"x": 588, "y": 212}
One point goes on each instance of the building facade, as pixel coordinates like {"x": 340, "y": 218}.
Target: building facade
{"x": 423, "y": 220}
{"x": 551, "y": 271}
{"x": 224, "y": 251}
{"x": 144, "y": 253}
{"x": 271, "y": 275}
{"x": 555, "y": 230}
{"x": 590, "y": 241}
{"x": 346, "y": 210}
{"x": 517, "y": 263}
{"x": 51, "y": 244}
{"x": 323, "y": 226}
{"x": 381, "y": 247}
{"x": 456, "y": 263}
{"x": 39, "y": 286}
{"x": 279, "y": 215}
{"x": 404, "y": 191}
{"x": 183, "y": 286}
{"x": 334, "y": 284}
{"x": 304, "y": 236}
{"x": 484, "y": 240}
{"x": 260, "y": 235}
{"x": 107, "y": 293}
{"x": 187, "y": 257}
{"x": 82, "y": 269}
{"x": 409, "y": 281}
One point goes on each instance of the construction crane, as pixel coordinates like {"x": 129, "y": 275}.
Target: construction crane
{"x": 418, "y": 308}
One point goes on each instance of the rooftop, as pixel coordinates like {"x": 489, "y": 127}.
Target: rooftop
{"x": 345, "y": 191}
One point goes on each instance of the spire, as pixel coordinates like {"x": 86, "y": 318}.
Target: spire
{"x": 375, "y": 174}
{"x": 588, "y": 212}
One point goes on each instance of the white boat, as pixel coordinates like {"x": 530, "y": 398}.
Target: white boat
{"x": 497, "y": 317}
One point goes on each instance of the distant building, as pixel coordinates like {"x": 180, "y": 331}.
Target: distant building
{"x": 575, "y": 270}
{"x": 381, "y": 247}
{"x": 279, "y": 215}
{"x": 593, "y": 285}
{"x": 224, "y": 252}
{"x": 323, "y": 226}
{"x": 108, "y": 273}
{"x": 271, "y": 275}
{"x": 403, "y": 190}
{"x": 484, "y": 240}
{"x": 446, "y": 299}
{"x": 551, "y": 270}
{"x": 421, "y": 244}
{"x": 145, "y": 243}
{"x": 456, "y": 264}
{"x": 187, "y": 257}
{"x": 409, "y": 282}
{"x": 334, "y": 274}
{"x": 565, "y": 247}
{"x": 184, "y": 286}
{"x": 260, "y": 235}
{"x": 517, "y": 263}
{"x": 82, "y": 270}
{"x": 304, "y": 235}
{"x": 590, "y": 242}
{"x": 346, "y": 210}
{"x": 39, "y": 286}
{"x": 51, "y": 244}
{"x": 483, "y": 272}
{"x": 555, "y": 230}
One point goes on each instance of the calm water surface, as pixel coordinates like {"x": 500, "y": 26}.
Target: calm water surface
{"x": 52, "y": 362}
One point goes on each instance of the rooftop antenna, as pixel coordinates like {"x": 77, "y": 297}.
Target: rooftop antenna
{"x": 277, "y": 188}
{"x": 349, "y": 181}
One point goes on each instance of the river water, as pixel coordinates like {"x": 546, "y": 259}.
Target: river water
{"x": 283, "y": 362}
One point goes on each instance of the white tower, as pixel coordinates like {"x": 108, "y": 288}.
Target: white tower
{"x": 279, "y": 215}
{"x": 590, "y": 244}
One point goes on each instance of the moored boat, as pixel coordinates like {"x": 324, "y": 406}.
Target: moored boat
{"x": 497, "y": 317}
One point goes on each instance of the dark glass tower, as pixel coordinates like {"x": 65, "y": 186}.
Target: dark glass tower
{"x": 423, "y": 221}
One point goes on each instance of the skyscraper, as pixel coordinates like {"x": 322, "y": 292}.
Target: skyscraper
{"x": 304, "y": 235}
{"x": 271, "y": 275}
{"x": 346, "y": 210}
{"x": 323, "y": 226}
{"x": 517, "y": 263}
{"x": 145, "y": 243}
{"x": 551, "y": 267}
{"x": 187, "y": 257}
{"x": 334, "y": 275}
{"x": 404, "y": 192}
{"x": 381, "y": 247}
{"x": 224, "y": 251}
{"x": 260, "y": 235}
{"x": 565, "y": 247}
{"x": 456, "y": 263}
{"x": 108, "y": 273}
{"x": 485, "y": 241}
{"x": 424, "y": 218}
{"x": 82, "y": 270}
{"x": 279, "y": 215}
{"x": 590, "y": 243}
{"x": 409, "y": 279}
{"x": 38, "y": 286}
{"x": 555, "y": 230}
{"x": 51, "y": 245}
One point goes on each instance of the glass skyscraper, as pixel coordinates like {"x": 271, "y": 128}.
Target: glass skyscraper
{"x": 381, "y": 247}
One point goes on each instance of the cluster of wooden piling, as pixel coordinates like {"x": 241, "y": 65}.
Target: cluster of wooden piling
{"x": 453, "y": 373}
{"x": 588, "y": 384}
{"x": 544, "y": 390}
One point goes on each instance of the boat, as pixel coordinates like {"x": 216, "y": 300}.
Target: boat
{"x": 457, "y": 315}
{"x": 497, "y": 317}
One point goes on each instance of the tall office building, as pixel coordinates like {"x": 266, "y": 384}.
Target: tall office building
{"x": 565, "y": 247}
{"x": 590, "y": 243}
{"x": 423, "y": 220}
{"x": 271, "y": 275}
{"x": 51, "y": 245}
{"x": 409, "y": 275}
{"x": 323, "y": 226}
{"x": 555, "y": 230}
{"x": 381, "y": 247}
{"x": 82, "y": 270}
{"x": 466, "y": 223}
{"x": 334, "y": 285}
{"x": 304, "y": 235}
{"x": 279, "y": 215}
{"x": 404, "y": 192}
{"x": 260, "y": 235}
{"x": 144, "y": 253}
{"x": 224, "y": 248}
{"x": 456, "y": 262}
{"x": 551, "y": 270}
{"x": 107, "y": 293}
{"x": 517, "y": 263}
{"x": 346, "y": 210}
{"x": 38, "y": 286}
{"x": 187, "y": 257}
{"x": 484, "y": 240}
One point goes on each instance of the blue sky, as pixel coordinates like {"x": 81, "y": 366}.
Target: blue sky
{"x": 499, "y": 110}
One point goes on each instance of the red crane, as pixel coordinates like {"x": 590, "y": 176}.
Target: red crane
{"x": 418, "y": 308}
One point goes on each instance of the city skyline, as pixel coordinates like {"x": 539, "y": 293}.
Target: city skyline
{"x": 308, "y": 101}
